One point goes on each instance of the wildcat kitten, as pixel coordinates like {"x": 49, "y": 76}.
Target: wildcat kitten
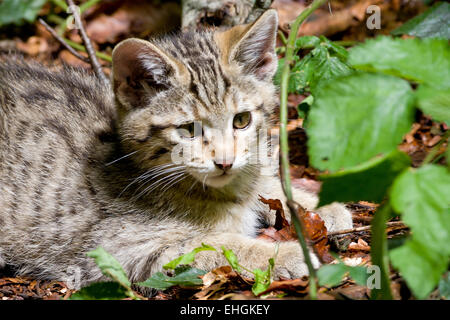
{"x": 83, "y": 166}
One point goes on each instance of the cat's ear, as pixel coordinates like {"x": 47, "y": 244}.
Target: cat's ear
{"x": 253, "y": 45}
{"x": 141, "y": 68}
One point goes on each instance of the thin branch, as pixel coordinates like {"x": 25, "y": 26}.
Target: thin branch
{"x": 285, "y": 172}
{"x": 62, "y": 42}
{"x": 88, "y": 44}
{"x": 398, "y": 224}
{"x": 80, "y": 47}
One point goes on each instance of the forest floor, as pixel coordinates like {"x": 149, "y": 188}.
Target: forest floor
{"x": 111, "y": 21}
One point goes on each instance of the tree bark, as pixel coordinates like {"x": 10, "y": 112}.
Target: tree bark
{"x": 198, "y": 14}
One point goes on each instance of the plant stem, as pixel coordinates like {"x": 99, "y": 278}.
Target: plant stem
{"x": 379, "y": 253}
{"x": 60, "y": 3}
{"x": 82, "y": 48}
{"x": 61, "y": 41}
{"x": 285, "y": 173}
{"x": 282, "y": 37}
{"x": 88, "y": 44}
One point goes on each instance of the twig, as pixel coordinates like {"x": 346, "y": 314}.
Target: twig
{"x": 62, "y": 42}
{"x": 399, "y": 224}
{"x": 80, "y": 47}
{"x": 88, "y": 44}
{"x": 359, "y": 218}
{"x": 285, "y": 172}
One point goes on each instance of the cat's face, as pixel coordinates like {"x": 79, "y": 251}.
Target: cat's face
{"x": 194, "y": 105}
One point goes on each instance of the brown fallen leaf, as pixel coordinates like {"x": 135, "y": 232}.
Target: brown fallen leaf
{"x": 33, "y": 46}
{"x": 350, "y": 291}
{"x": 288, "y": 10}
{"x": 361, "y": 245}
{"x": 135, "y": 18}
{"x": 328, "y": 24}
{"x": 315, "y": 229}
{"x": 220, "y": 281}
{"x": 299, "y": 286}
{"x": 317, "y": 233}
{"x": 275, "y": 204}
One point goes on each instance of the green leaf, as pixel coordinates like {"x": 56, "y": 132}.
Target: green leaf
{"x": 187, "y": 258}
{"x": 158, "y": 281}
{"x": 304, "y": 107}
{"x": 422, "y": 197}
{"x": 232, "y": 259}
{"x": 101, "y": 291}
{"x": 18, "y": 11}
{"x": 318, "y": 67}
{"x": 331, "y": 274}
{"x": 444, "y": 286}
{"x": 187, "y": 278}
{"x": 359, "y": 274}
{"x": 357, "y": 117}
{"x": 433, "y": 23}
{"x": 325, "y": 67}
{"x": 325, "y": 62}
{"x": 422, "y": 268}
{"x": 262, "y": 281}
{"x": 335, "y": 49}
{"x": 306, "y": 42}
{"x": 434, "y": 102}
{"x": 110, "y": 266}
{"x": 368, "y": 181}
{"x": 420, "y": 60}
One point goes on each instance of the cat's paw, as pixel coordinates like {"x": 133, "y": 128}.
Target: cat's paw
{"x": 290, "y": 262}
{"x": 336, "y": 217}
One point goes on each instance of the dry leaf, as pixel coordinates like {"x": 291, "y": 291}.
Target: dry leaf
{"x": 361, "y": 245}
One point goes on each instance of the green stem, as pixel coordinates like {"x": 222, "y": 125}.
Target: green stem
{"x": 82, "y": 48}
{"x": 379, "y": 252}
{"x": 282, "y": 37}
{"x": 62, "y": 24}
{"x": 87, "y": 5}
{"x": 285, "y": 173}
{"x": 60, "y": 3}
{"x": 246, "y": 269}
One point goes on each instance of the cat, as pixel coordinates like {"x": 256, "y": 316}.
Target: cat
{"x": 83, "y": 165}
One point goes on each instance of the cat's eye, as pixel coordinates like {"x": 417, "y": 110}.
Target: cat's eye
{"x": 187, "y": 130}
{"x": 242, "y": 120}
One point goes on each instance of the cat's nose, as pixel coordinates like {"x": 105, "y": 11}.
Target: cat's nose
{"x": 224, "y": 165}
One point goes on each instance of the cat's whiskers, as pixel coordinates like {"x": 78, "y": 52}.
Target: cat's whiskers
{"x": 204, "y": 180}
{"x": 123, "y": 157}
{"x": 146, "y": 175}
{"x": 174, "y": 181}
{"x": 158, "y": 182}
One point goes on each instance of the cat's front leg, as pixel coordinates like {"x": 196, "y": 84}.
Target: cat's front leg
{"x": 335, "y": 215}
{"x": 254, "y": 253}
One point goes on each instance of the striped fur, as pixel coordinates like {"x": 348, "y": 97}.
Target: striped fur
{"x": 83, "y": 166}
